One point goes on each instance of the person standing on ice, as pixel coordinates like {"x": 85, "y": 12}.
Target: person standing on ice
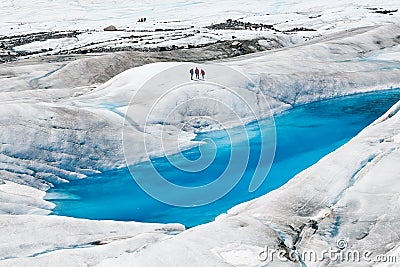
{"x": 191, "y": 73}
{"x": 203, "y": 73}
{"x": 197, "y": 73}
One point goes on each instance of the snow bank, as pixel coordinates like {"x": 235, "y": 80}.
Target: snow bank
{"x": 54, "y": 240}
{"x": 334, "y": 65}
{"x": 20, "y": 200}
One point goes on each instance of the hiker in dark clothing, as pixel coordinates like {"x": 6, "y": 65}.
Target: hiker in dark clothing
{"x": 191, "y": 73}
{"x": 197, "y": 73}
{"x": 203, "y": 73}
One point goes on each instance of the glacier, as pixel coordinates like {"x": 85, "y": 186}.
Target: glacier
{"x": 62, "y": 117}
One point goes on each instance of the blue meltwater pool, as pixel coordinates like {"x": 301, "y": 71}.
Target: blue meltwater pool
{"x": 304, "y": 135}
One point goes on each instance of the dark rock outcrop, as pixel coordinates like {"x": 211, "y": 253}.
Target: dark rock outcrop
{"x": 110, "y": 28}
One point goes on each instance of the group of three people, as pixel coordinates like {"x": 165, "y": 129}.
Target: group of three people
{"x": 197, "y": 72}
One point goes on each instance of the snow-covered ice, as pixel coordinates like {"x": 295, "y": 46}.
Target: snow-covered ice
{"x": 59, "y": 121}
{"x": 80, "y": 127}
{"x": 342, "y": 198}
{"x": 343, "y": 193}
{"x": 181, "y": 23}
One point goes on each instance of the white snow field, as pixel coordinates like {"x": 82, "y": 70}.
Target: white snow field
{"x": 58, "y": 123}
{"x": 181, "y": 22}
